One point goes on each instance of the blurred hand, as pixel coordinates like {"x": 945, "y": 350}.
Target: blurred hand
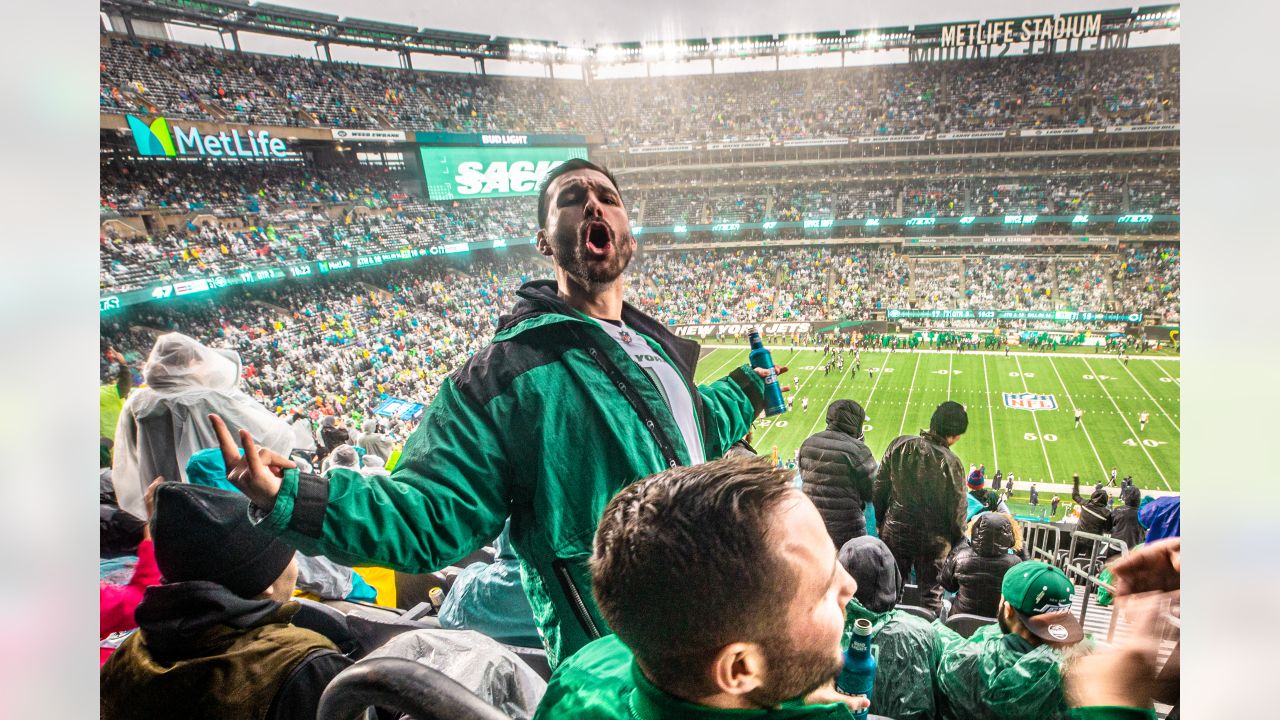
{"x": 764, "y": 373}
{"x": 149, "y": 502}
{"x": 1154, "y": 567}
{"x": 1125, "y": 675}
{"x": 828, "y": 694}
{"x": 257, "y": 473}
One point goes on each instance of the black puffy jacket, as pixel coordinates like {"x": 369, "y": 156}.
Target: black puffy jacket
{"x": 1124, "y": 519}
{"x": 976, "y": 568}
{"x": 920, "y": 495}
{"x": 838, "y": 471}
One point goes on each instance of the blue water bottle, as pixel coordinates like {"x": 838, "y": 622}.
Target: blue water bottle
{"x": 858, "y": 676}
{"x": 760, "y": 358}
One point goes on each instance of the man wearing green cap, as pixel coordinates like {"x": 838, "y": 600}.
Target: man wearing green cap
{"x": 1013, "y": 670}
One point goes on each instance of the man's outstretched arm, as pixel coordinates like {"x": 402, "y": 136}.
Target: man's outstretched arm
{"x": 446, "y": 498}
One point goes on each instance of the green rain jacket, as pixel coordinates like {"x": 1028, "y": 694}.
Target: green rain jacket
{"x": 603, "y": 682}
{"x": 994, "y": 676}
{"x": 544, "y": 425}
{"x": 906, "y": 650}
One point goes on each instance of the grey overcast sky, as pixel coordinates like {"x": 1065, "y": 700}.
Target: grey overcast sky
{"x": 604, "y": 21}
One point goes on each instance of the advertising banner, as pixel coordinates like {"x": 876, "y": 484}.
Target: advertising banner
{"x": 356, "y": 134}
{"x": 464, "y": 173}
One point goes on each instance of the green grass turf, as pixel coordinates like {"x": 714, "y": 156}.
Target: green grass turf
{"x": 1040, "y": 446}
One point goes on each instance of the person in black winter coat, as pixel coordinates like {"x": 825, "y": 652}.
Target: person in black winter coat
{"x": 975, "y": 569}
{"x": 1095, "y": 515}
{"x": 839, "y": 471}
{"x": 1124, "y": 519}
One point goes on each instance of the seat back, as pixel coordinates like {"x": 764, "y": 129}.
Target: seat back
{"x": 921, "y": 612}
{"x": 403, "y": 687}
{"x": 966, "y": 625}
{"x": 327, "y": 621}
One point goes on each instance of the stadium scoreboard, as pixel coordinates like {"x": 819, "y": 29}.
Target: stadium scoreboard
{"x": 473, "y": 166}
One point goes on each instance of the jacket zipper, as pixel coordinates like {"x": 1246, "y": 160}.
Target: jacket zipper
{"x": 561, "y": 570}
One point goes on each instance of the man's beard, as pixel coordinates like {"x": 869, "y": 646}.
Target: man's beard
{"x": 571, "y": 256}
{"x": 793, "y": 672}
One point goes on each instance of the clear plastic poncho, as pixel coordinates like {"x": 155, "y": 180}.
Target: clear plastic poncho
{"x": 188, "y": 381}
{"x": 478, "y": 662}
{"x": 906, "y": 651}
{"x": 989, "y": 676}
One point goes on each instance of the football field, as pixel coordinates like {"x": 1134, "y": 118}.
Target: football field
{"x": 901, "y": 389}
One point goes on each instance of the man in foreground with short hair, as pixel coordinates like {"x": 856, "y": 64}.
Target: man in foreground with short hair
{"x": 920, "y": 498}
{"x": 727, "y": 599}
{"x": 1013, "y": 670}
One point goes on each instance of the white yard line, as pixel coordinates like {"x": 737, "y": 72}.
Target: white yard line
{"x": 822, "y": 415}
{"x": 1034, "y": 419}
{"x": 1134, "y": 435}
{"x": 715, "y": 374}
{"x": 910, "y": 388}
{"x": 991, "y": 421}
{"x": 1176, "y": 380}
{"x": 950, "y": 364}
{"x": 1153, "y": 397}
{"x": 1083, "y": 426}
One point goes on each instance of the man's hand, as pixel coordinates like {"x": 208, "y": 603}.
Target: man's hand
{"x": 764, "y": 373}
{"x": 1124, "y": 676}
{"x": 257, "y": 473}
{"x": 828, "y": 694}
{"x": 1154, "y": 567}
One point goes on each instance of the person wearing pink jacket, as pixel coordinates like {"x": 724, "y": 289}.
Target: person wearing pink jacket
{"x": 116, "y": 603}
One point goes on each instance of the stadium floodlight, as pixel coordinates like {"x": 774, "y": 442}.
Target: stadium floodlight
{"x": 652, "y": 52}
{"x": 576, "y": 54}
{"x": 872, "y": 39}
{"x": 799, "y": 44}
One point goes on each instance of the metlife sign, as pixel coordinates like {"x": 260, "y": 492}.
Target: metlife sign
{"x": 464, "y": 173}
{"x": 157, "y": 139}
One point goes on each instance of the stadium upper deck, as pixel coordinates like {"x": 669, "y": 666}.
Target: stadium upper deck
{"x": 1098, "y": 89}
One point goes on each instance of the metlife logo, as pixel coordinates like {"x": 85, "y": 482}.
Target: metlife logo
{"x": 157, "y": 140}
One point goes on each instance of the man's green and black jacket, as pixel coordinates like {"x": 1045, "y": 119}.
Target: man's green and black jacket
{"x": 544, "y": 425}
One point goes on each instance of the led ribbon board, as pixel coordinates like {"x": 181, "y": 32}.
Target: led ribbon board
{"x": 464, "y": 173}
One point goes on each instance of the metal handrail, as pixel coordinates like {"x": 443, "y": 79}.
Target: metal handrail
{"x": 1092, "y": 581}
{"x": 1032, "y": 533}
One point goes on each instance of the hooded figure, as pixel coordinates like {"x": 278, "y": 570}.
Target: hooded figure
{"x": 905, "y": 646}
{"x": 374, "y": 442}
{"x": 1124, "y": 519}
{"x": 976, "y": 568}
{"x": 1095, "y": 516}
{"x": 163, "y": 424}
{"x": 839, "y": 470}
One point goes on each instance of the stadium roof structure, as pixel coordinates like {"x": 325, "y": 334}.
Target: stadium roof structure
{"x": 925, "y": 42}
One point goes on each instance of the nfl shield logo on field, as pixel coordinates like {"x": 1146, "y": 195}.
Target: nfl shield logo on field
{"x": 1030, "y": 401}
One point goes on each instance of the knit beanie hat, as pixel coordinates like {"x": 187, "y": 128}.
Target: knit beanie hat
{"x": 949, "y": 419}
{"x": 204, "y": 533}
{"x": 976, "y": 480}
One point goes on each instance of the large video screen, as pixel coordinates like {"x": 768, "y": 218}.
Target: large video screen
{"x": 464, "y": 173}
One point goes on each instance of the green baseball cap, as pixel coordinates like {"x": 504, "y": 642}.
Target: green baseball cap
{"x": 1040, "y": 594}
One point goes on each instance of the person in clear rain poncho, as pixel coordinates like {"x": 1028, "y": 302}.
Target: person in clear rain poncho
{"x": 905, "y": 646}
{"x": 163, "y": 424}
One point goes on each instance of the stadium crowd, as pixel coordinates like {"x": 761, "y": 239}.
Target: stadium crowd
{"x": 521, "y": 458}
{"x": 1117, "y": 87}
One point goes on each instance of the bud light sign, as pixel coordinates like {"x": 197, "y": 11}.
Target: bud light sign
{"x": 461, "y": 173}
